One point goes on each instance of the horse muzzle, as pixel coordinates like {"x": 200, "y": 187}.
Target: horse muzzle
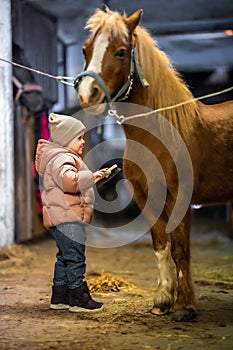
{"x": 92, "y": 92}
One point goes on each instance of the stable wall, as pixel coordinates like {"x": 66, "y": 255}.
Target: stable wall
{"x": 6, "y": 131}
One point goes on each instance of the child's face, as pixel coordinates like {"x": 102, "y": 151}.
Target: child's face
{"x": 77, "y": 145}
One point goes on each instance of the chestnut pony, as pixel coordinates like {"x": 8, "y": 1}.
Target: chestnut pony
{"x": 123, "y": 63}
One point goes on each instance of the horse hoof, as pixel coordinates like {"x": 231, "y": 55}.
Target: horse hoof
{"x": 161, "y": 310}
{"x": 184, "y": 315}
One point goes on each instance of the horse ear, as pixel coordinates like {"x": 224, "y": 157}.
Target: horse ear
{"x": 133, "y": 21}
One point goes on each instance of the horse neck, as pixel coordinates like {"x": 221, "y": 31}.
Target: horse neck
{"x": 166, "y": 86}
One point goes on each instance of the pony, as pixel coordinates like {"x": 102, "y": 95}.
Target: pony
{"x": 124, "y": 63}
{"x": 25, "y": 89}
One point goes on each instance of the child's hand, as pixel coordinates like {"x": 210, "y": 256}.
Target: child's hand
{"x": 100, "y": 174}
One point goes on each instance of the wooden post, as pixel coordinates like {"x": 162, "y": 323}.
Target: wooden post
{"x": 6, "y": 130}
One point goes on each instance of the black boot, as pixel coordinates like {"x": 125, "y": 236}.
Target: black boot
{"x": 60, "y": 298}
{"x": 81, "y": 300}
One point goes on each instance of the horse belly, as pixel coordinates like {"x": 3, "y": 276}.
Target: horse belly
{"x": 215, "y": 185}
{"x": 212, "y": 158}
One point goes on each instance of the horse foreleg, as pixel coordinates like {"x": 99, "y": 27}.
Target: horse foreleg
{"x": 167, "y": 280}
{"x": 174, "y": 292}
{"x": 184, "y": 307}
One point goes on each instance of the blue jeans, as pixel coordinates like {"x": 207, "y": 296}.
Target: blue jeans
{"x": 70, "y": 266}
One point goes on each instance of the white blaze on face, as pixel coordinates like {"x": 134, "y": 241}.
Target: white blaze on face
{"x": 100, "y": 45}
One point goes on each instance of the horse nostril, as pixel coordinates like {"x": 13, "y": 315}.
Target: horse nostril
{"x": 94, "y": 93}
{"x": 88, "y": 96}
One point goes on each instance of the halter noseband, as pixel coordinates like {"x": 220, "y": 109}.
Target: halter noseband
{"x": 123, "y": 93}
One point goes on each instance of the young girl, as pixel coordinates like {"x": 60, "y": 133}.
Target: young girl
{"x": 67, "y": 198}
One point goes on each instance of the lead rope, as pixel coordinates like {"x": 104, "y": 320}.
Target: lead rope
{"x": 57, "y": 77}
{"x": 121, "y": 119}
{"x": 112, "y": 112}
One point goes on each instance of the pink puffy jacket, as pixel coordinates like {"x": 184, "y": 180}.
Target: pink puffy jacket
{"x": 67, "y": 189}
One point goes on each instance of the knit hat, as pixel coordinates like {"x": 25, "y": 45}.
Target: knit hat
{"x": 63, "y": 128}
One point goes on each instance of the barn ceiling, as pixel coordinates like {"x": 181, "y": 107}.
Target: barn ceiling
{"x": 160, "y": 11}
{"x": 192, "y": 33}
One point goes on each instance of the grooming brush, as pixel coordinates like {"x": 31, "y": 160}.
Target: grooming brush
{"x": 109, "y": 174}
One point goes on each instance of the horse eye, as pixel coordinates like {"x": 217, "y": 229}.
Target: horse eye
{"x": 121, "y": 53}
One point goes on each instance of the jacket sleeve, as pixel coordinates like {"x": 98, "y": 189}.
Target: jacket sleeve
{"x": 68, "y": 176}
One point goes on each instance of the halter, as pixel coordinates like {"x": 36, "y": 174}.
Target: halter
{"x": 123, "y": 93}
{"x": 28, "y": 87}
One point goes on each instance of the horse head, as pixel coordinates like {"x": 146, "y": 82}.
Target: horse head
{"x": 25, "y": 89}
{"x": 110, "y": 60}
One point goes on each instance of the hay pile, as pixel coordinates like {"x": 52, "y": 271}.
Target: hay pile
{"x": 107, "y": 283}
{"x": 15, "y": 255}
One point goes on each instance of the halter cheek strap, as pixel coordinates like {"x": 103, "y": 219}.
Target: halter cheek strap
{"x": 142, "y": 78}
{"x": 123, "y": 93}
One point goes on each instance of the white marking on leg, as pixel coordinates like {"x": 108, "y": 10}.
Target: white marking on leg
{"x": 166, "y": 266}
{"x": 167, "y": 279}
{"x": 180, "y": 274}
{"x": 100, "y": 46}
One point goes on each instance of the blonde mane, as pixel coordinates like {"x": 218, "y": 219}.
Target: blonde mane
{"x": 168, "y": 87}
{"x": 109, "y": 22}
{"x": 165, "y": 82}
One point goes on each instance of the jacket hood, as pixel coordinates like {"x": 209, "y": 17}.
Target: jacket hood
{"x": 45, "y": 151}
